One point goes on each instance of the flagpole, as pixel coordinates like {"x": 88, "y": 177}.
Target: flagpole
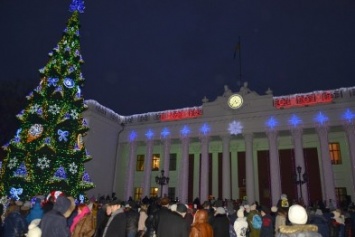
{"x": 240, "y": 62}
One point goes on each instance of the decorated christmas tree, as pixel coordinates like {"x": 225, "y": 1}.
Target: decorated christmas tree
{"x": 47, "y": 153}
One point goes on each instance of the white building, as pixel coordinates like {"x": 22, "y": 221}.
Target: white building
{"x": 240, "y": 145}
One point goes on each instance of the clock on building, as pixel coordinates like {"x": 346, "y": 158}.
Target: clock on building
{"x": 235, "y": 101}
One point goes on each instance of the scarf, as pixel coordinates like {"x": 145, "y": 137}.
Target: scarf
{"x": 78, "y": 217}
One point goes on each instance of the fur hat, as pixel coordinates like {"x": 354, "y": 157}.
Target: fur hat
{"x": 240, "y": 213}
{"x": 297, "y": 214}
{"x": 33, "y": 229}
{"x": 220, "y": 211}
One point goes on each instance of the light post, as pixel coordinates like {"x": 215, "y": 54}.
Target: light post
{"x": 299, "y": 181}
{"x": 162, "y": 180}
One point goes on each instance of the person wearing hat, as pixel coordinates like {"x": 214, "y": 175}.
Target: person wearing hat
{"x": 298, "y": 218}
{"x": 173, "y": 224}
{"x": 54, "y": 222}
{"x": 116, "y": 224}
{"x": 241, "y": 224}
{"x": 220, "y": 223}
{"x": 251, "y": 217}
{"x": 267, "y": 227}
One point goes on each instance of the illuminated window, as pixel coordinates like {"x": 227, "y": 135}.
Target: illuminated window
{"x": 154, "y": 192}
{"x": 140, "y": 163}
{"x": 335, "y": 156}
{"x": 172, "y": 163}
{"x": 138, "y": 193}
{"x": 155, "y": 162}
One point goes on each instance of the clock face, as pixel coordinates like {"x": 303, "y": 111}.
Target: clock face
{"x": 235, "y": 101}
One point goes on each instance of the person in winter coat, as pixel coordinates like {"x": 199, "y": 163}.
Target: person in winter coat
{"x": 267, "y": 227}
{"x": 15, "y": 224}
{"x": 132, "y": 217}
{"x": 116, "y": 225}
{"x": 254, "y": 232}
{"x": 142, "y": 218}
{"x": 220, "y": 223}
{"x": 36, "y": 212}
{"x": 173, "y": 224}
{"x": 320, "y": 221}
{"x": 298, "y": 228}
{"x": 280, "y": 220}
{"x": 241, "y": 224}
{"x": 54, "y": 222}
{"x": 83, "y": 222}
{"x": 200, "y": 226}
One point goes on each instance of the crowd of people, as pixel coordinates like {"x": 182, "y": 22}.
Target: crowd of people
{"x": 62, "y": 216}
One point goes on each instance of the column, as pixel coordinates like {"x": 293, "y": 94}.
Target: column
{"x": 204, "y": 169}
{"x": 328, "y": 176}
{"x": 226, "y": 163}
{"x": 275, "y": 178}
{"x": 184, "y": 170}
{"x": 131, "y": 170}
{"x": 147, "y": 168}
{"x": 297, "y": 140}
{"x": 249, "y": 167}
{"x": 350, "y": 134}
{"x": 166, "y": 144}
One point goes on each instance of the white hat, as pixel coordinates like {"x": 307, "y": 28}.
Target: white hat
{"x": 220, "y": 210}
{"x": 297, "y": 214}
{"x": 240, "y": 213}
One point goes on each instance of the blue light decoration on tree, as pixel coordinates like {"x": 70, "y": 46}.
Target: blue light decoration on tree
{"x": 149, "y": 134}
{"x": 21, "y": 171}
{"x": 295, "y": 121}
{"x": 165, "y": 132}
{"x": 185, "y": 131}
{"x": 321, "y": 118}
{"x": 60, "y": 174}
{"x": 271, "y": 123}
{"x": 348, "y": 116}
{"x": 132, "y": 136}
{"x": 15, "y": 193}
{"x": 77, "y": 5}
{"x": 205, "y": 129}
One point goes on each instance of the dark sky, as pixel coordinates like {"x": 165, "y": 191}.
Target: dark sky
{"x": 152, "y": 55}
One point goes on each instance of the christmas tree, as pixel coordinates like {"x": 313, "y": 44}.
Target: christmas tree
{"x": 47, "y": 153}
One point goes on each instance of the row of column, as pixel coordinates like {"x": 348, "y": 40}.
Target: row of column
{"x": 328, "y": 186}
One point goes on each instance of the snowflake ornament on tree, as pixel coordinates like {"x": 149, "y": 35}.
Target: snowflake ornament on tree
{"x": 43, "y": 163}
{"x": 235, "y": 128}
{"x": 12, "y": 163}
{"x": 73, "y": 168}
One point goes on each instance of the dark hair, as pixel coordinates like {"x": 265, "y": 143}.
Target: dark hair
{"x": 115, "y": 202}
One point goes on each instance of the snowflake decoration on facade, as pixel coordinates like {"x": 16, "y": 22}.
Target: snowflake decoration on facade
{"x": 12, "y": 163}
{"x": 271, "y": 123}
{"x": 74, "y": 114}
{"x": 294, "y": 120}
{"x": 185, "y": 131}
{"x": 149, "y": 134}
{"x": 54, "y": 109}
{"x": 235, "y": 128}
{"x": 43, "y": 163}
{"x": 348, "y": 116}
{"x": 165, "y": 133}
{"x": 205, "y": 129}
{"x": 73, "y": 168}
{"x": 321, "y": 118}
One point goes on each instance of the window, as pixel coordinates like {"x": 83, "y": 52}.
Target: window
{"x": 335, "y": 156}
{"x": 340, "y": 194}
{"x": 140, "y": 163}
{"x": 155, "y": 162}
{"x": 154, "y": 192}
{"x": 172, "y": 163}
{"x": 138, "y": 193}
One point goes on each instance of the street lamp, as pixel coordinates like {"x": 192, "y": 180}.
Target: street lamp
{"x": 162, "y": 180}
{"x": 299, "y": 180}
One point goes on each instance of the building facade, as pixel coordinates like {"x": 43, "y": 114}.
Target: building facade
{"x": 241, "y": 145}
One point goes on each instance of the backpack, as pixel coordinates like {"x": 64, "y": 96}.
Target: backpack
{"x": 256, "y": 222}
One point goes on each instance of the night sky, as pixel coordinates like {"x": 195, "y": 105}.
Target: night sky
{"x": 149, "y": 55}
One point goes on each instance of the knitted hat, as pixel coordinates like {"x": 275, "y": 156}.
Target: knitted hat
{"x": 240, "y": 213}
{"x": 297, "y": 214}
{"x": 220, "y": 210}
{"x": 273, "y": 209}
{"x": 181, "y": 208}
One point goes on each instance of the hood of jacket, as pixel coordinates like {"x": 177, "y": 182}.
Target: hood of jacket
{"x": 62, "y": 204}
{"x": 201, "y": 216}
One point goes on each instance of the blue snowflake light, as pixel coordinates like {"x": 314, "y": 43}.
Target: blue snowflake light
{"x": 185, "y": 131}
{"x": 165, "y": 133}
{"x": 321, "y": 118}
{"x": 348, "y": 116}
{"x": 205, "y": 129}
{"x": 150, "y": 134}
{"x": 132, "y": 136}
{"x": 271, "y": 122}
{"x": 294, "y": 120}
{"x": 235, "y": 128}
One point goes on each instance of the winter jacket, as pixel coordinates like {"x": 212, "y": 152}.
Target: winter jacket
{"x": 267, "y": 228}
{"x": 36, "y": 212}
{"x": 15, "y": 225}
{"x": 200, "y": 227}
{"x": 172, "y": 225}
{"x": 241, "y": 227}
{"x": 220, "y": 225}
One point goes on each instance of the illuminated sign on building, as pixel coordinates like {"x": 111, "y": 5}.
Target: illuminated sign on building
{"x": 188, "y": 113}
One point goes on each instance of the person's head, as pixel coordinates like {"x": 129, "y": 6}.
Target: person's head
{"x": 83, "y": 208}
{"x": 265, "y": 210}
{"x": 64, "y": 205}
{"x": 297, "y": 215}
{"x": 181, "y": 209}
{"x": 240, "y": 213}
{"x": 201, "y": 216}
{"x": 165, "y": 201}
{"x": 115, "y": 205}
